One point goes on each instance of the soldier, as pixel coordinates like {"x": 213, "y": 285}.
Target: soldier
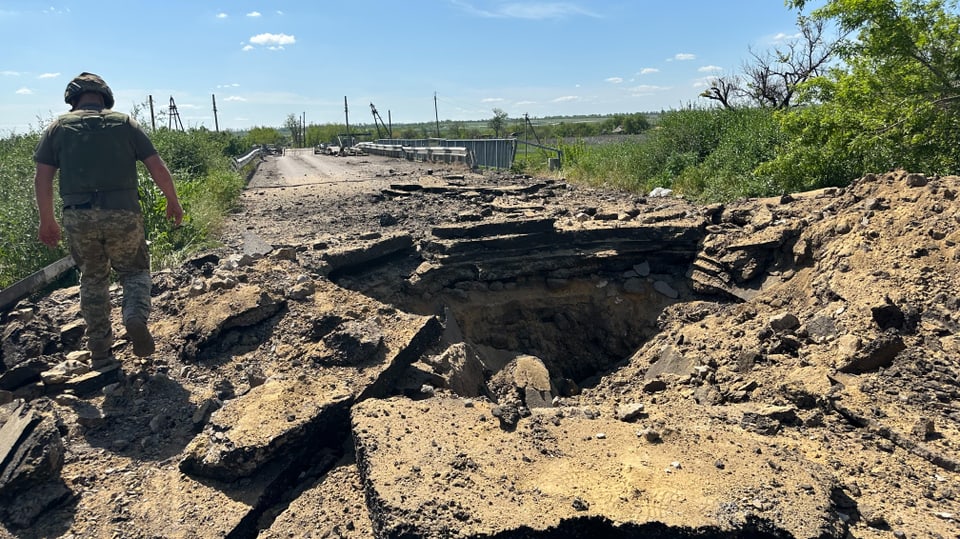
{"x": 96, "y": 151}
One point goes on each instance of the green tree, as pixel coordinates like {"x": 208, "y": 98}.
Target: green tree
{"x": 292, "y": 124}
{"x": 630, "y": 124}
{"x": 498, "y": 122}
{"x": 455, "y": 130}
{"x": 577, "y": 129}
{"x": 895, "y": 102}
{"x": 263, "y": 135}
{"x": 324, "y": 133}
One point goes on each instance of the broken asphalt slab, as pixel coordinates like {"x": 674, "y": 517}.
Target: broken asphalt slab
{"x": 443, "y": 467}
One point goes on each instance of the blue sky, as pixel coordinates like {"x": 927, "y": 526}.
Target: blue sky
{"x": 265, "y": 59}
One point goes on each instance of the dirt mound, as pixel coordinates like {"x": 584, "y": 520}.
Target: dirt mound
{"x": 431, "y": 352}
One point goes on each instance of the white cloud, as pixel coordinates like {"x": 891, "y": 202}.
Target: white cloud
{"x": 253, "y": 14}
{"x": 529, "y": 10}
{"x": 24, "y": 91}
{"x": 48, "y": 75}
{"x": 279, "y": 12}
{"x": 248, "y": 47}
{"x": 492, "y": 100}
{"x": 276, "y": 48}
{"x": 222, "y": 15}
{"x": 567, "y": 98}
{"x": 705, "y": 82}
{"x": 709, "y": 69}
{"x": 684, "y": 56}
{"x": 649, "y": 70}
{"x": 56, "y": 11}
{"x": 231, "y": 85}
{"x": 525, "y": 103}
{"x": 273, "y": 39}
{"x": 10, "y": 73}
{"x": 785, "y": 37}
{"x": 614, "y": 80}
{"x": 235, "y": 98}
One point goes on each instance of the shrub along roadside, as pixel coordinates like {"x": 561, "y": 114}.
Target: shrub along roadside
{"x": 705, "y": 154}
{"x": 21, "y": 253}
{"x": 208, "y": 186}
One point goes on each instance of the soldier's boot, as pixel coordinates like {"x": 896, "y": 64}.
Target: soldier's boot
{"x": 101, "y": 357}
{"x": 139, "y": 335}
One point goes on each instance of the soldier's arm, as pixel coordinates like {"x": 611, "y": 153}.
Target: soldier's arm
{"x": 49, "y": 231}
{"x": 161, "y": 176}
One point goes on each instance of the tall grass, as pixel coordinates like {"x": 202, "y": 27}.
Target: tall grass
{"x": 208, "y": 188}
{"x": 21, "y": 252}
{"x": 704, "y": 154}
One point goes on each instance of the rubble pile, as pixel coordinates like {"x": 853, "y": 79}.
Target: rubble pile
{"x": 504, "y": 356}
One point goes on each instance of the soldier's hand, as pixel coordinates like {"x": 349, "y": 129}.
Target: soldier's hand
{"x": 175, "y": 212}
{"x": 49, "y": 233}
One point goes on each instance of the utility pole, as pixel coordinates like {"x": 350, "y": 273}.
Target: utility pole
{"x": 436, "y": 115}
{"x": 526, "y": 122}
{"x": 153, "y": 120}
{"x": 346, "y": 115}
{"x": 216, "y": 122}
{"x": 173, "y": 119}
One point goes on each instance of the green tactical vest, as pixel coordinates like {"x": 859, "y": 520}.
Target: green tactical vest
{"x": 96, "y": 152}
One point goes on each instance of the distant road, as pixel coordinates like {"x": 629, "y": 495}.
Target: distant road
{"x": 301, "y": 167}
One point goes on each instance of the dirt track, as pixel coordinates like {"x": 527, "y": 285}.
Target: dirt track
{"x": 393, "y": 349}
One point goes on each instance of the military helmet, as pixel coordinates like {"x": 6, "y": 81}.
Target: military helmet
{"x": 88, "y": 82}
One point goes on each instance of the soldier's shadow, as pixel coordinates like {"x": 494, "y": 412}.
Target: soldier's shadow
{"x": 144, "y": 416}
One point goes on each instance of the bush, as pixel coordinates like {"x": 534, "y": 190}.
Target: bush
{"x": 747, "y": 138}
{"x": 21, "y": 252}
{"x": 192, "y": 153}
{"x": 708, "y": 154}
{"x": 207, "y": 185}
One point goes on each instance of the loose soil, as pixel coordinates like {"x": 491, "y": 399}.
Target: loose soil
{"x": 784, "y": 367}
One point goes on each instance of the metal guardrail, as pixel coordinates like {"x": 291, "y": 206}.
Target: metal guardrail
{"x": 434, "y": 154}
{"x": 495, "y": 153}
{"x": 245, "y": 160}
{"x": 491, "y": 153}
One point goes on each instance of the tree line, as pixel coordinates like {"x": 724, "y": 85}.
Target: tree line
{"x": 499, "y": 125}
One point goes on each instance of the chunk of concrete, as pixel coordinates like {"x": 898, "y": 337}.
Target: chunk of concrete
{"x": 31, "y": 457}
{"x": 288, "y": 416}
{"x": 437, "y": 465}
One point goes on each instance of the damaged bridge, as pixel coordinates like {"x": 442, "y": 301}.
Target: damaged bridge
{"x": 518, "y": 364}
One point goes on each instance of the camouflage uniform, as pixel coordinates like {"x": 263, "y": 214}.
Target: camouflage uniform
{"x": 100, "y": 239}
{"x": 96, "y": 151}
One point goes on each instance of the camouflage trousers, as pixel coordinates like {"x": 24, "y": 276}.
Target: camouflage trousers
{"x": 101, "y": 240}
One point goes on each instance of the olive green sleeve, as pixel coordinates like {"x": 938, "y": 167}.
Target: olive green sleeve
{"x": 142, "y": 144}
{"x": 46, "y": 152}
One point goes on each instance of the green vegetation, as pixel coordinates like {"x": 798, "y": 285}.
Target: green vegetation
{"x": 883, "y": 95}
{"x": 201, "y": 162}
{"x": 707, "y": 154}
{"x": 21, "y": 252}
{"x": 893, "y": 103}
